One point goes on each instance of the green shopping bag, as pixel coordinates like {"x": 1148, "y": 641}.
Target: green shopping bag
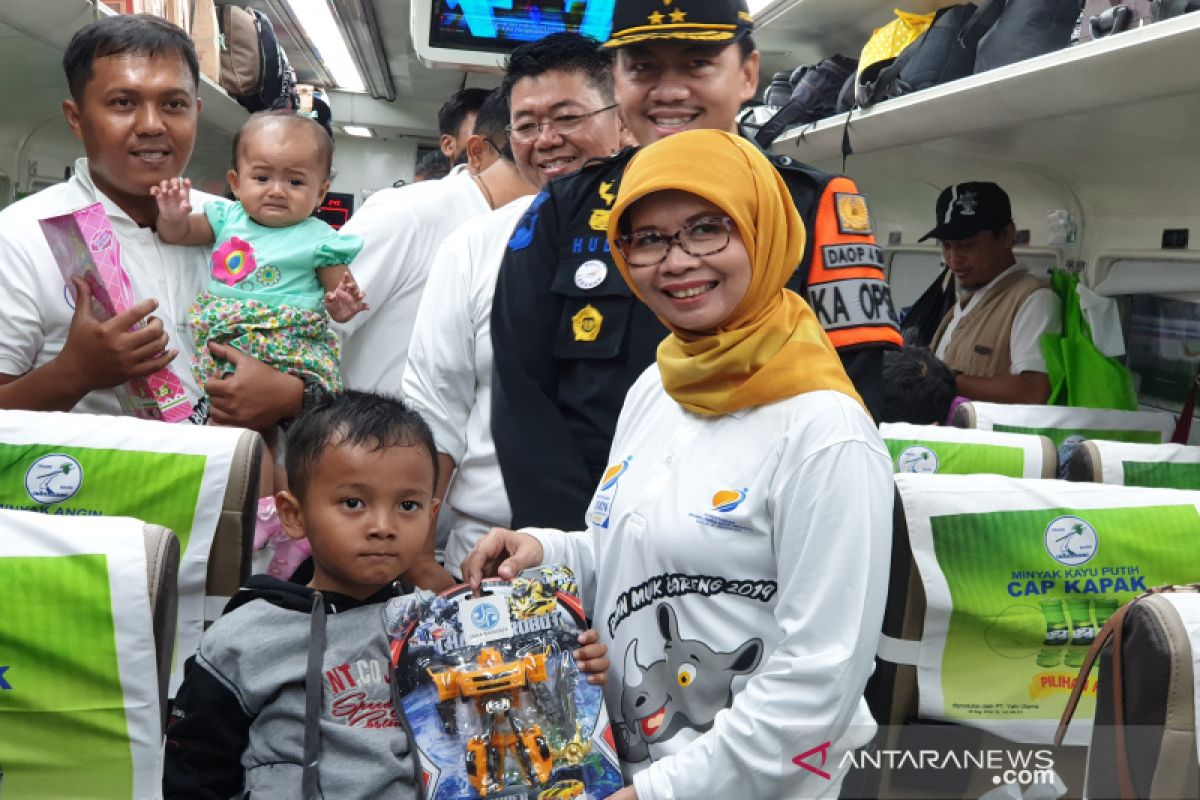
{"x": 1080, "y": 375}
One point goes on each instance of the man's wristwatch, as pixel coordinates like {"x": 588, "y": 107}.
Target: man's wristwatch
{"x": 313, "y": 394}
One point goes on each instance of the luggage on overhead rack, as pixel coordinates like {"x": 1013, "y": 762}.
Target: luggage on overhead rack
{"x": 881, "y": 51}
{"x": 778, "y": 90}
{"x": 814, "y": 96}
{"x": 943, "y": 52}
{"x": 1025, "y": 29}
{"x": 254, "y": 68}
{"x": 1165, "y": 9}
{"x": 1108, "y": 17}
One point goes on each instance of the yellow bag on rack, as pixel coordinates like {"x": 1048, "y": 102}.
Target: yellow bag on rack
{"x": 880, "y": 52}
{"x": 889, "y": 41}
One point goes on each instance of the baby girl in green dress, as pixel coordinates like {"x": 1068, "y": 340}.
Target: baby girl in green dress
{"x": 278, "y": 273}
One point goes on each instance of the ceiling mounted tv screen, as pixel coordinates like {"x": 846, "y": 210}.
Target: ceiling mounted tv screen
{"x": 500, "y": 25}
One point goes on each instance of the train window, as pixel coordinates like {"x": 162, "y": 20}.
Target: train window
{"x": 1160, "y": 312}
{"x": 1163, "y": 344}
{"x": 909, "y": 274}
{"x": 910, "y": 271}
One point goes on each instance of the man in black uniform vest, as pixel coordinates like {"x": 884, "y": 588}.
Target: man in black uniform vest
{"x": 568, "y": 337}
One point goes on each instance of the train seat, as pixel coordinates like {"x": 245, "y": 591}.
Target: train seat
{"x": 1167, "y": 466}
{"x": 997, "y": 586}
{"x": 85, "y": 654}
{"x": 1059, "y": 422}
{"x": 200, "y": 482}
{"x": 959, "y": 451}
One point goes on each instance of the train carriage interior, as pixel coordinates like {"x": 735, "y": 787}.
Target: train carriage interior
{"x": 1099, "y": 131}
{"x": 1096, "y": 144}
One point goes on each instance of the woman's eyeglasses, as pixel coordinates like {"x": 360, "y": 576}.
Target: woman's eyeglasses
{"x": 563, "y": 125}
{"x": 705, "y": 237}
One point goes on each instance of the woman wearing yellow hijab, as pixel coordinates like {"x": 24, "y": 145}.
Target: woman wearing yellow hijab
{"x": 736, "y": 551}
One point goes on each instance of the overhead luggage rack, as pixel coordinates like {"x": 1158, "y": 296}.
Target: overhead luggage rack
{"x": 54, "y": 23}
{"x": 1133, "y": 67}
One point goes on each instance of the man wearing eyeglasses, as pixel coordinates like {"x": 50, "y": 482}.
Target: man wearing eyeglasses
{"x": 562, "y": 116}
{"x": 570, "y": 340}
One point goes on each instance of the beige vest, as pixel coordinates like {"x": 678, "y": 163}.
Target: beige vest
{"x": 980, "y": 346}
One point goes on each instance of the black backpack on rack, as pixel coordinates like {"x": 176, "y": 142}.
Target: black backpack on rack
{"x": 1165, "y": 9}
{"x": 815, "y": 91}
{"x": 944, "y": 52}
{"x": 1025, "y": 29}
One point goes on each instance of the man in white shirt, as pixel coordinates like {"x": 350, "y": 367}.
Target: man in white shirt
{"x": 456, "y": 120}
{"x": 401, "y": 230}
{"x": 133, "y": 105}
{"x": 449, "y": 372}
{"x": 991, "y": 338}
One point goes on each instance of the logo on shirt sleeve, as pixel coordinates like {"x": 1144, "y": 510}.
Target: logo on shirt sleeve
{"x": 852, "y": 214}
{"x": 522, "y": 235}
{"x": 602, "y": 503}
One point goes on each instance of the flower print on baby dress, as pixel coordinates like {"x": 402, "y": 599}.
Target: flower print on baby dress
{"x": 233, "y": 261}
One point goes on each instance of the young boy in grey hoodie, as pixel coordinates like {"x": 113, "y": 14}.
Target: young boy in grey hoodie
{"x": 290, "y": 692}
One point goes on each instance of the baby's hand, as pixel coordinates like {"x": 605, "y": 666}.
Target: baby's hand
{"x": 592, "y": 657}
{"x": 346, "y": 300}
{"x": 172, "y": 197}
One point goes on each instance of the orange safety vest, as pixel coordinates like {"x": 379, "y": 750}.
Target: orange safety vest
{"x": 846, "y": 286}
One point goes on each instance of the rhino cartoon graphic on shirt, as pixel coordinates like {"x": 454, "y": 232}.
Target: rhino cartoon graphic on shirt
{"x": 684, "y": 690}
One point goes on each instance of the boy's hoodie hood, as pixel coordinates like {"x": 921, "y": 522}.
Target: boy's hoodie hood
{"x": 297, "y": 597}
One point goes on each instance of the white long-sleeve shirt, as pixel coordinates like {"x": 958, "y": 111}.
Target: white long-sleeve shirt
{"x": 449, "y": 372}
{"x": 736, "y": 567}
{"x": 401, "y": 230}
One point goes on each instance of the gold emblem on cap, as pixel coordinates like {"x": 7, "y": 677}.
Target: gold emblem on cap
{"x": 586, "y": 323}
{"x": 656, "y": 18}
{"x": 678, "y": 15}
{"x": 852, "y": 213}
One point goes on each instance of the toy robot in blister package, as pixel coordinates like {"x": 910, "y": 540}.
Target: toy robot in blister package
{"x": 491, "y": 696}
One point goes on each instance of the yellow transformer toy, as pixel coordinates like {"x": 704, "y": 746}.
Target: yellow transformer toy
{"x": 495, "y": 686}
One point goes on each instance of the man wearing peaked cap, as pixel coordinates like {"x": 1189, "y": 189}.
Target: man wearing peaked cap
{"x": 991, "y": 338}
{"x": 685, "y": 20}
{"x": 568, "y": 336}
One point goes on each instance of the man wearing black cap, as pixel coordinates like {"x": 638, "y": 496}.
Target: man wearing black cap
{"x": 569, "y": 338}
{"x": 991, "y": 338}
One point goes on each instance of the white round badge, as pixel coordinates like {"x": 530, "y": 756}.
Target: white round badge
{"x": 591, "y": 274}
{"x": 53, "y": 478}
{"x": 918, "y": 459}
{"x": 1071, "y": 541}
